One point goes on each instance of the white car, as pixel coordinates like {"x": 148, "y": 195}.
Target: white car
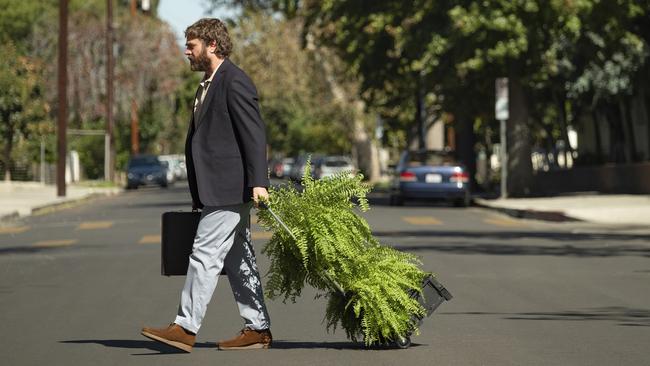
{"x": 328, "y": 166}
{"x": 175, "y": 166}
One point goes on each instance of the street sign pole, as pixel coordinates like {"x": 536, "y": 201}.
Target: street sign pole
{"x": 501, "y": 111}
{"x": 504, "y": 160}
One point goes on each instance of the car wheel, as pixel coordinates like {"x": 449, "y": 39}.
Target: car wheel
{"x": 463, "y": 202}
{"x": 396, "y": 200}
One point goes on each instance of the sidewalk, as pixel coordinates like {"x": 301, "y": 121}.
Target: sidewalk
{"x": 615, "y": 209}
{"x": 18, "y": 199}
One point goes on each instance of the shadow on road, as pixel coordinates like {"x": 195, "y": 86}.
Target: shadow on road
{"x": 26, "y": 250}
{"x": 572, "y": 244}
{"x": 383, "y": 199}
{"x": 133, "y": 344}
{"x": 527, "y": 249}
{"x": 622, "y": 315}
{"x": 518, "y": 249}
{"x": 511, "y": 235}
{"x": 187, "y": 204}
{"x": 277, "y": 344}
{"x": 280, "y": 344}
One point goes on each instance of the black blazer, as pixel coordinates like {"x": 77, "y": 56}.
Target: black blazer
{"x": 225, "y": 150}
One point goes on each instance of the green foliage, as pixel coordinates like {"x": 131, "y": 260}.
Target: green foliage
{"x": 331, "y": 245}
{"x": 21, "y": 99}
{"x": 148, "y": 64}
{"x": 295, "y": 100}
{"x": 18, "y": 19}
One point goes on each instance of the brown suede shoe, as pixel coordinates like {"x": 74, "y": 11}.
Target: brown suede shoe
{"x": 174, "y": 335}
{"x": 248, "y": 339}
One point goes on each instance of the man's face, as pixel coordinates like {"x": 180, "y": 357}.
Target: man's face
{"x": 197, "y": 53}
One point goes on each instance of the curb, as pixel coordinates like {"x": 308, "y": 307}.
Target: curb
{"x": 52, "y": 207}
{"x": 553, "y": 216}
{"x": 56, "y": 206}
{"x": 10, "y": 216}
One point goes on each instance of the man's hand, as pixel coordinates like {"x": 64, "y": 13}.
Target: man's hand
{"x": 260, "y": 193}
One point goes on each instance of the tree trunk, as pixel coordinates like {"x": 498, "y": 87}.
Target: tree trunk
{"x": 616, "y": 137}
{"x": 366, "y": 150}
{"x": 520, "y": 167}
{"x": 465, "y": 141}
{"x": 642, "y": 116}
{"x": 6, "y": 153}
{"x": 364, "y": 147}
{"x": 630, "y": 136}
{"x": 549, "y": 147}
{"x": 568, "y": 150}
{"x": 419, "y": 112}
{"x": 645, "y": 102}
{"x": 599, "y": 139}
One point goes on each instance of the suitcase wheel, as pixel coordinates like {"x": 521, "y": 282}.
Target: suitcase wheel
{"x": 403, "y": 342}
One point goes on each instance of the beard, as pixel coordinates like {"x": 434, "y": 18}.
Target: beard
{"x": 201, "y": 62}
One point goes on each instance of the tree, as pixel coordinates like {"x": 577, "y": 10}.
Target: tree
{"x": 17, "y": 21}
{"x": 343, "y": 88}
{"x": 148, "y": 65}
{"x": 301, "y": 113}
{"x": 21, "y": 100}
{"x": 456, "y": 50}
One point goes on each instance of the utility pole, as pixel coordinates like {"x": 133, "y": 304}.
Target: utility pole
{"x": 62, "y": 96}
{"x": 108, "y": 149}
{"x": 135, "y": 126}
{"x": 135, "y": 129}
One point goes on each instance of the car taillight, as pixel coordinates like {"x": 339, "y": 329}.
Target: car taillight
{"x": 459, "y": 177}
{"x": 407, "y": 177}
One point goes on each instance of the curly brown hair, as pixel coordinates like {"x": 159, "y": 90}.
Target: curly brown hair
{"x": 209, "y": 30}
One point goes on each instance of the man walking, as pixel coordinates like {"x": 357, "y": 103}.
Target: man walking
{"x": 226, "y": 160}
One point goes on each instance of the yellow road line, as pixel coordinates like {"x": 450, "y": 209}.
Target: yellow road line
{"x": 422, "y": 220}
{"x": 261, "y": 235}
{"x": 92, "y": 225}
{"x": 150, "y": 239}
{"x": 54, "y": 243}
{"x": 504, "y": 222}
{"x": 13, "y": 230}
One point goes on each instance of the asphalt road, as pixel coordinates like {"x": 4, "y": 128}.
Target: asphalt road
{"x": 77, "y": 285}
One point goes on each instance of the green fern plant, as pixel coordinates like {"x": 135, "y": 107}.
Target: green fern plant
{"x": 331, "y": 248}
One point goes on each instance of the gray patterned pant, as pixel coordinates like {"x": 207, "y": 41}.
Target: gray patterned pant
{"x": 223, "y": 240}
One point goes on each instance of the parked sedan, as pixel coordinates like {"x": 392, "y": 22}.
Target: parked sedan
{"x": 430, "y": 175}
{"x": 146, "y": 170}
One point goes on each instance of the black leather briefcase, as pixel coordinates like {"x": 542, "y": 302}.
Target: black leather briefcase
{"x": 178, "y": 232}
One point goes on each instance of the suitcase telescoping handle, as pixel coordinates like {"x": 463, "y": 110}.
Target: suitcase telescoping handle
{"x": 265, "y": 206}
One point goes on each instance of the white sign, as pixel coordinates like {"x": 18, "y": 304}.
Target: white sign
{"x": 501, "y": 105}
